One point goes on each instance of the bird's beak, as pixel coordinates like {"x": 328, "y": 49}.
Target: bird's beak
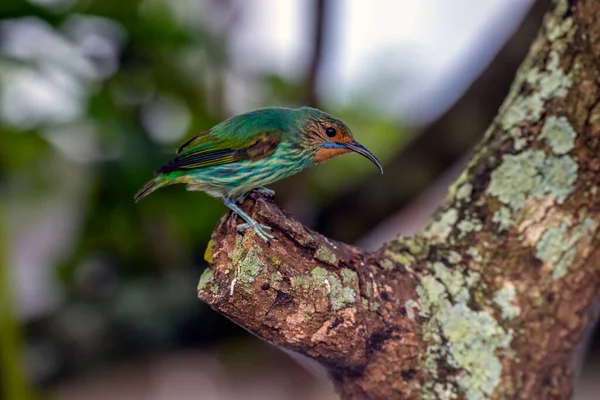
{"x": 360, "y": 149}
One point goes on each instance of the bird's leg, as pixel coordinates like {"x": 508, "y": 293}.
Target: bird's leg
{"x": 261, "y": 190}
{"x": 250, "y": 222}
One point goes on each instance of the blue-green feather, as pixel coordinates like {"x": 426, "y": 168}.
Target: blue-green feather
{"x": 220, "y": 161}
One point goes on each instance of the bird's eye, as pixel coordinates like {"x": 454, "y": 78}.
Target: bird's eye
{"x": 330, "y": 132}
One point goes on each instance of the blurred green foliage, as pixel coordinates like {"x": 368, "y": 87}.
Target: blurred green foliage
{"x": 95, "y": 95}
{"x": 13, "y": 382}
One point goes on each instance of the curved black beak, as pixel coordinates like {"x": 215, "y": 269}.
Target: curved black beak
{"x": 360, "y": 149}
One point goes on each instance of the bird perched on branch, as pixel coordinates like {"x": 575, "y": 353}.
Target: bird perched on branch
{"x": 254, "y": 149}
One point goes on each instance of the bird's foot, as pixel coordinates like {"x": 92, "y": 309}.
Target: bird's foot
{"x": 265, "y": 191}
{"x": 260, "y": 190}
{"x": 258, "y": 228}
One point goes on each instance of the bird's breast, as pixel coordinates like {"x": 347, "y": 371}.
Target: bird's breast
{"x": 237, "y": 178}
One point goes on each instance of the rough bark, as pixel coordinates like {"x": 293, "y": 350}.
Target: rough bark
{"x": 491, "y": 299}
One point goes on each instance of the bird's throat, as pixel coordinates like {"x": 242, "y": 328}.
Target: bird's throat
{"x": 324, "y": 154}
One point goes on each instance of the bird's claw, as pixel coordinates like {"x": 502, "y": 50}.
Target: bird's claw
{"x": 258, "y": 228}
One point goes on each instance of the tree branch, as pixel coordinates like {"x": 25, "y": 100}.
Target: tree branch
{"x": 320, "y": 19}
{"x": 492, "y": 297}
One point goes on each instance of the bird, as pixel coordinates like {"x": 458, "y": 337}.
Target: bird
{"x": 248, "y": 151}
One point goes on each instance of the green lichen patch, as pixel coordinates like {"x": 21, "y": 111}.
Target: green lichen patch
{"x": 349, "y": 277}
{"x": 560, "y": 174}
{"x": 374, "y": 306}
{"x": 523, "y": 110}
{"x": 557, "y": 246}
{"x": 238, "y": 251}
{"x": 410, "y": 306}
{"x": 387, "y": 264}
{"x": 369, "y": 288}
{"x": 365, "y": 304}
{"x": 519, "y": 143}
{"x": 459, "y": 336}
{"x": 516, "y": 177}
{"x": 454, "y": 257}
{"x": 430, "y": 291}
{"x": 559, "y": 134}
{"x": 250, "y": 266}
{"x": 325, "y": 254}
{"x": 276, "y": 262}
{"x": 506, "y": 299}
{"x": 302, "y": 282}
{"x": 394, "y": 258}
{"x": 320, "y": 274}
{"x": 554, "y": 82}
{"x": 344, "y": 298}
{"x": 473, "y": 252}
{"x": 532, "y": 174}
{"x": 469, "y": 225}
{"x": 473, "y": 338}
{"x": 464, "y": 191}
{"x": 472, "y": 278}
{"x": 275, "y": 280}
{"x": 452, "y": 280}
{"x": 546, "y": 84}
{"x": 206, "y": 279}
{"x": 503, "y": 218}
{"x": 559, "y": 30}
{"x": 340, "y": 296}
{"x": 442, "y": 226}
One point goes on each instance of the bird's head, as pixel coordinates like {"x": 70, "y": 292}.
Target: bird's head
{"x": 331, "y": 137}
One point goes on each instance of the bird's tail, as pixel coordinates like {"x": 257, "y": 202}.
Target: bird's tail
{"x": 152, "y": 185}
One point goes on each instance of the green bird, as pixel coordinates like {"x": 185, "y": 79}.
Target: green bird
{"x": 254, "y": 149}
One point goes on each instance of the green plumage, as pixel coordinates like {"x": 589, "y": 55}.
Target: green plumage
{"x": 255, "y": 149}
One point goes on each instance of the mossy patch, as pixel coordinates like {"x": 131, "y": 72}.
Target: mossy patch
{"x": 276, "y": 262}
{"x": 325, "y": 254}
{"x": 206, "y": 279}
{"x": 209, "y": 252}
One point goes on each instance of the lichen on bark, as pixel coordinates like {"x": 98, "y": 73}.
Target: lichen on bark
{"x": 491, "y": 298}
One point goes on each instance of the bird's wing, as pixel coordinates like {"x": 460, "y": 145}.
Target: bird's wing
{"x": 201, "y": 139}
{"x": 206, "y": 150}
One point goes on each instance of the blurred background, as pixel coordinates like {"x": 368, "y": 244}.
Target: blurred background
{"x": 97, "y": 293}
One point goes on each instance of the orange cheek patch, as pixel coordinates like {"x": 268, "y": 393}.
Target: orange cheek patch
{"x": 323, "y": 154}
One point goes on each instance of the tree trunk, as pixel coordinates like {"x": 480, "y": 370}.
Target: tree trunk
{"x": 491, "y": 299}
